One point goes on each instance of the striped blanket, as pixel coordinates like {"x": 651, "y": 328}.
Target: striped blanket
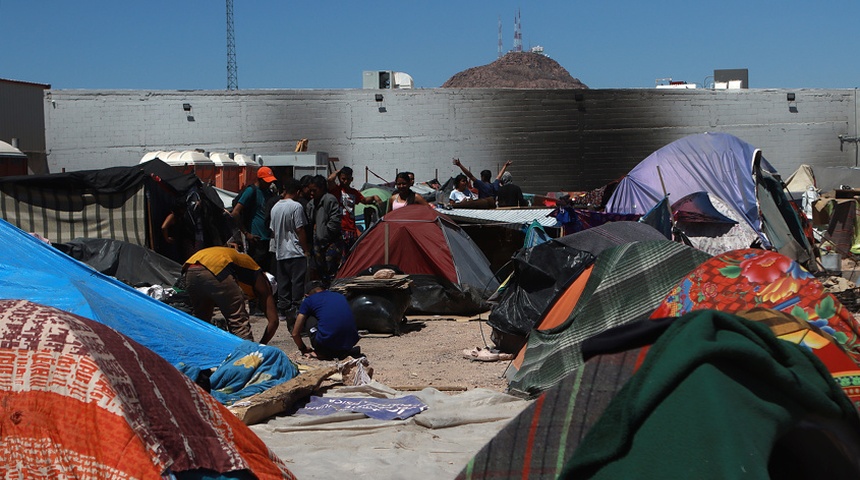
{"x": 80, "y": 400}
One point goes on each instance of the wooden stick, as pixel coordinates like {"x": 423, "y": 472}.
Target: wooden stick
{"x": 441, "y": 388}
{"x": 386, "y": 243}
{"x": 662, "y": 184}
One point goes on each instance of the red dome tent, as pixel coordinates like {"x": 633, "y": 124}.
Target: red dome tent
{"x": 420, "y": 241}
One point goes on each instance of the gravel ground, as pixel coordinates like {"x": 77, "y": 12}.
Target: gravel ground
{"x": 428, "y": 354}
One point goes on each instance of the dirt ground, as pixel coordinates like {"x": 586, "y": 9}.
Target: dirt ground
{"x": 428, "y": 354}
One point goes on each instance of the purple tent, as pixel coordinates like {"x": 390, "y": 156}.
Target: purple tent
{"x": 717, "y": 163}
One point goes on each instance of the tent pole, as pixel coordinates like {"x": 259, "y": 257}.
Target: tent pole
{"x": 662, "y": 184}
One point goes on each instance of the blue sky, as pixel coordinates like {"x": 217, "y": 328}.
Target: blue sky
{"x": 181, "y": 44}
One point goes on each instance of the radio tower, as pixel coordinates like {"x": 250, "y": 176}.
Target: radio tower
{"x": 518, "y": 33}
{"x": 232, "y": 82}
{"x": 500, "y": 37}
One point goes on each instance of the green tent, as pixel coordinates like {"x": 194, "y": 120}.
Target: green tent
{"x": 380, "y": 192}
{"x": 627, "y": 283}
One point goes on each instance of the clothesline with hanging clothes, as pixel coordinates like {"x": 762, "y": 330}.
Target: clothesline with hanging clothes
{"x": 368, "y": 170}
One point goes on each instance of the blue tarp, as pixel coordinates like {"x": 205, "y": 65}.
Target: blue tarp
{"x": 33, "y": 270}
{"x": 717, "y": 163}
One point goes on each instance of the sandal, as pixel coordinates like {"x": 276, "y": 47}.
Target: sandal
{"x": 471, "y": 354}
{"x": 486, "y": 355}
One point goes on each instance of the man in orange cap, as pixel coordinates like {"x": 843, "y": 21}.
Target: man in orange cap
{"x": 252, "y": 205}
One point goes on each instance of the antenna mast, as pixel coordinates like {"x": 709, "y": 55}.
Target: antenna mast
{"x": 518, "y": 33}
{"x": 500, "y": 37}
{"x": 232, "y": 81}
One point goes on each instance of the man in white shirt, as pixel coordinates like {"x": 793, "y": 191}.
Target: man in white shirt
{"x": 290, "y": 249}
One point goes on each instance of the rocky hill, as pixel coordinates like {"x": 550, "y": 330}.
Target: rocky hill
{"x": 516, "y": 70}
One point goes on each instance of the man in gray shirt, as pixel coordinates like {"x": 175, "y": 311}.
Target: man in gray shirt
{"x": 290, "y": 249}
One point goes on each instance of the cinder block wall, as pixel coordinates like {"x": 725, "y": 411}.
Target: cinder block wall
{"x": 557, "y": 139}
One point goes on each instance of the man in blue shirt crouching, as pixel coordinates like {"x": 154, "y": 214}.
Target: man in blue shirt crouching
{"x": 330, "y": 324}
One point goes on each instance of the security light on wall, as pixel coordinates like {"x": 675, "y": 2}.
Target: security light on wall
{"x": 790, "y": 97}
{"x": 188, "y": 115}
{"x": 378, "y": 97}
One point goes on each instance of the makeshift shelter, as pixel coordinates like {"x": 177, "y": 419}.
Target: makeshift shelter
{"x": 32, "y": 270}
{"x": 839, "y": 222}
{"x": 118, "y": 203}
{"x": 537, "y": 442}
{"x": 829, "y": 199}
{"x": 800, "y": 180}
{"x": 718, "y": 163}
{"x": 541, "y": 272}
{"x": 129, "y": 263}
{"x": 625, "y": 284}
{"x": 726, "y": 168}
{"x": 772, "y": 410}
{"x": 81, "y": 400}
{"x": 710, "y": 225}
{"x": 501, "y": 232}
{"x": 437, "y": 255}
{"x": 780, "y": 219}
{"x": 545, "y": 436}
{"x": 744, "y": 279}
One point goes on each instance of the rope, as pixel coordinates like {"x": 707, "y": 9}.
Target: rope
{"x": 375, "y": 175}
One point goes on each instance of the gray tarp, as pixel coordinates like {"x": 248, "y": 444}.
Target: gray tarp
{"x": 436, "y": 443}
{"x": 131, "y": 264}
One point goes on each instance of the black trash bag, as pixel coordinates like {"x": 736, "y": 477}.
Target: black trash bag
{"x": 432, "y": 295}
{"x": 540, "y": 275}
{"x": 380, "y": 310}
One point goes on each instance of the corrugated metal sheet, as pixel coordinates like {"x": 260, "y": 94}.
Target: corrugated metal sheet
{"x": 520, "y": 216}
{"x": 22, "y": 114}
